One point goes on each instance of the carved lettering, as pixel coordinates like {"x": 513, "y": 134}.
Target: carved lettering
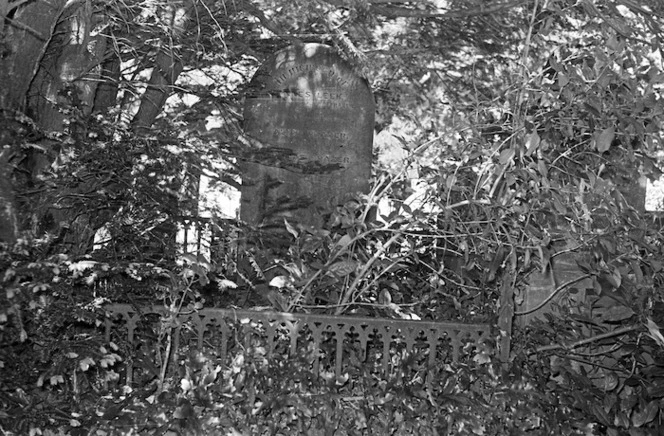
{"x": 328, "y": 73}
{"x": 311, "y": 134}
{"x": 300, "y": 159}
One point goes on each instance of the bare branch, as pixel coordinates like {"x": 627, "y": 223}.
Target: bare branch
{"x": 554, "y": 293}
{"x": 389, "y": 10}
{"x": 576, "y": 344}
{"x": 269, "y": 25}
{"x": 30, "y": 30}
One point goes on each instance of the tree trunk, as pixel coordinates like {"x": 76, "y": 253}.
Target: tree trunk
{"x": 8, "y": 215}
{"x": 55, "y": 60}
{"x": 26, "y": 36}
{"x": 107, "y": 90}
{"x": 52, "y": 62}
{"x": 67, "y": 79}
{"x": 71, "y": 63}
{"x": 167, "y": 68}
{"x": 26, "y": 31}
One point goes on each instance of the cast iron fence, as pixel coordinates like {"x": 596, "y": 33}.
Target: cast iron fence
{"x": 338, "y": 342}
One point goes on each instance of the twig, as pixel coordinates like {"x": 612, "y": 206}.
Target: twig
{"x": 30, "y": 30}
{"x": 348, "y": 294}
{"x": 399, "y": 11}
{"x": 353, "y": 303}
{"x": 573, "y": 345}
{"x": 553, "y": 294}
{"x": 467, "y": 202}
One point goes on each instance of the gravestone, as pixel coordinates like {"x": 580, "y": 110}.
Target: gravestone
{"x": 310, "y": 118}
{"x": 541, "y": 292}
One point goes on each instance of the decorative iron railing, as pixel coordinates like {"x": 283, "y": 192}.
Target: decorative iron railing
{"x": 213, "y": 240}
{"x": 338, "y": 340}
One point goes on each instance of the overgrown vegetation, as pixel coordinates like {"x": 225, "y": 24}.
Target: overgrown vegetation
{"x": 531, "y": 129}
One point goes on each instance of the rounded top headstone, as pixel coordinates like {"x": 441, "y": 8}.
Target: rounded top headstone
{"x": 309, "y": 101}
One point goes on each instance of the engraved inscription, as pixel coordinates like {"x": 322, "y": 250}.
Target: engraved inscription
{"x": 327, "y": 73}
{"x": 328, "y": 99}
{"x": 300, "y": 159}
{"x": 286, "y": 133}
{"x": 318, "y": 95}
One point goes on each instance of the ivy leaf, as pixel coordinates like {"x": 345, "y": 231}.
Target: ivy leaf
{"x": 109, "y": 360}
{"x": 226, "y": 284}
{"x": 601, "y": 414}
{"x": 344, "y": 241}
{"x": 186, "y": 385}
{"x": 617, "y": 313}
{"x": 562, "y": 79}
{"x": 184, "y": 411}
{"x": 56, "y": 379}
{"x": 560, "y": 208}
{"x": 593, "y": 108}
{"x": 291, "y": 229}
{"x": 604, "y": 139}
{"x": 86, "y": 363}
{"x": 82, "y": 265}
{"x": 541, "y": 167}
{"x": 647, "y": 414}
{"x": 482, "y": 357}
{"x": 610, "y": 382}
{"x": 656, "y": 389}
{"x": 532, "y": 143}
{"x": 343, "y": 268}
{"x": 384, "y": 297}
{"x": 506, "y": 156}
{"x": 451, "y": 181}
{"x": 277, "y": 300}
{"x": 189, "y": 257}
{"x": 655, "y": 334}
{"x": 280, "y": 282}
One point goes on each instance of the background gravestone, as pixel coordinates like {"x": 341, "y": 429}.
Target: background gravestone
{"x": 313, "y": 116}
{"x": 565, "y": 264}
{"x": 540, "y": 286}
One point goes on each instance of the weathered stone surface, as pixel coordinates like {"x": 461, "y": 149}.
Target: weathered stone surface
{"x": 541, "y": 286}
{"x": 314, "y": 117}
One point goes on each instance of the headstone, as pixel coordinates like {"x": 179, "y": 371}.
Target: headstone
{"x": 540, "y": 294}
{"x": 542, "y": 291}
{"x": 310, "y": 117}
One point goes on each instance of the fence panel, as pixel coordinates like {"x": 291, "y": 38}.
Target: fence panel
{"x": 338, "y": 341}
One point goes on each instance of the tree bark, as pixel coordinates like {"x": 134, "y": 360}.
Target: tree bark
{"x": 166, "y": 71}
{"x": 8, "y": 214}
{"x": 107, "y": 90}
{"x": 68, "y": 77}
{"x": 412, "y": 9}
{"x": 73, "y": 60}
{"x": 26, "y": 30}
{"x": 26, "y": 37}
{"x": 52, "y": 61}
{"x": 167, "y": 68}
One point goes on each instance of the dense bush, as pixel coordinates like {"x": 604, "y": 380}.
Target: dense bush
{"x": 588, "y": 369}
{"x": 541, "y": 151}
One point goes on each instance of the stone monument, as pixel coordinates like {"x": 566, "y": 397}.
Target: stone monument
{"x": 309, "y": 117}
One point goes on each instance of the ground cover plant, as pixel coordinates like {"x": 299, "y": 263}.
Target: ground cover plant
{"x": 531, "y": 126}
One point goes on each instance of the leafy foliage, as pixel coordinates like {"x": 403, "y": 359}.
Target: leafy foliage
{"x": 528, "y": 128}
